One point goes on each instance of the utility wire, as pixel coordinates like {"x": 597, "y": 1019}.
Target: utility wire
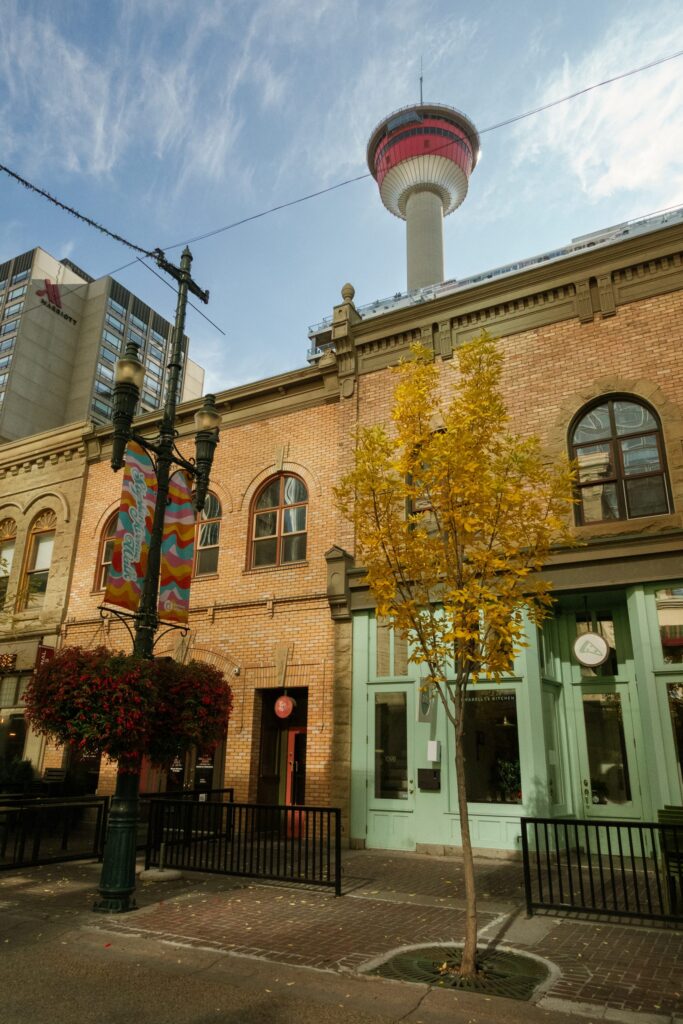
{"x": 70, "y": 209}
{"x": 581, "y": 92}
{"x": 482, "y": 131}
{"x": 154, "y": 254}
{"x": 169, "y": 285}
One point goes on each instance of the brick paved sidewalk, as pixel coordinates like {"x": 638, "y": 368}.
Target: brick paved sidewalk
{"x": 391, "y": 900}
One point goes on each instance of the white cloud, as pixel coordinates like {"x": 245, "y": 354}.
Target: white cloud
{"x": 623, "y": 138}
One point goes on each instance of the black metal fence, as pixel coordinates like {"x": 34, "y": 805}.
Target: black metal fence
{"x": 608, "y": 867}
{"x": 286, "y": 843}
{"x": 198, "y": 795}
{"x": 37, "y": 831}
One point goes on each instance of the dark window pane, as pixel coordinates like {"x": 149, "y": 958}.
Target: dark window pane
{"x": 670, "y": 615}
{"x": 265, "y": 524}
{"x": 606, "y": 745}
{"x": 207, "y": 561}
{"x": 208, "y": 534}
{"x": 599, "y": 503}
{"x": 270, "y": 497}
{"x": 632, "y": 418}
{"x": 212, "y": 507}
{"x": 265, "y": 552}
{"x": 295, "y": 519}
{"x": 595, "y": 462}
{"x": 640, "y": 455}
{"x": 594, "y": 426}
{"x": 675, "y": 693}
{"x": 646, "y": 497}
{"x": 36, "y": 587}
{"x": 391, "y": 746}
{"x": 492, "y": 773}
{"x": 294, "y": 548}
{"x": 294, "y": 491}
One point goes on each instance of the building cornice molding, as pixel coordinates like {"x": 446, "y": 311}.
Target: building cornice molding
{"x": 595, "y": 282}
{"x": 63, "y": 445}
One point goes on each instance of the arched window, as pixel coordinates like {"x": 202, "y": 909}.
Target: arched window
{"x": 8, "y": 536}
{"x": 207, "y": 537}
{"x": 38, "y": 560}
{"x": 618, "y": 448}
{"x": 278, "y": 533}
{"x": 106, "y": 552}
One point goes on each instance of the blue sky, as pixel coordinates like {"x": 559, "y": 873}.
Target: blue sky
{"x": 165, "y": 119}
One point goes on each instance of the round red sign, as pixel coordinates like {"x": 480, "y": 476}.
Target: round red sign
{"x": 284, "y": 707}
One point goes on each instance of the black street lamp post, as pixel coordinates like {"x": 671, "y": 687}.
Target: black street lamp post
{"x": 117, "y": 881}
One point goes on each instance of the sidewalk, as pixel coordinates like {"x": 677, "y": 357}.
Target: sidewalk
{"x": 601, "y": 970}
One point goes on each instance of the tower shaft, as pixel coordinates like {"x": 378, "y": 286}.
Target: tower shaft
{"x": 424, "y": 239}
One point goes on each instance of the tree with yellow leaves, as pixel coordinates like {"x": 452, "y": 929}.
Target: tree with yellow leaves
{"x": 454, "y": 515}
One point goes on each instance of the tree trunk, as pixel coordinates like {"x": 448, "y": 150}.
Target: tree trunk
{"x": 468, "y": 966}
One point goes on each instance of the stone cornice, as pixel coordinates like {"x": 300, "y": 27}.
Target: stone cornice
{"x": 594, "y": 281}
{"x": 273, "y": 396}
{"x": 49, "y": 448}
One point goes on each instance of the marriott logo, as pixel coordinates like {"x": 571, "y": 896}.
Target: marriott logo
{"x": 50, "y": 296}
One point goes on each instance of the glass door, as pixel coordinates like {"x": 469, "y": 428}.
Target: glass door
{"x": 609, "y": 780}
{"x": 390, "y": 771}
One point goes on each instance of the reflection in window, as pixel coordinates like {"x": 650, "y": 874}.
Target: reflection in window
{"x": 279, "y": 522}
{"x": 602, "y": 624}
{"x": 670, "y": 616}
{"x": 491, "y": 745}
{"x": 618, "y": 449}
{"x": 606, "y": 745}
{"x": 208, "y": 536}
{"x": 8, "y": 534}
{"x": 675, "y": 694}
{"x": 106, "y": 551}
{"x": 391, "y": 746}
{"x": 37, "y": 568}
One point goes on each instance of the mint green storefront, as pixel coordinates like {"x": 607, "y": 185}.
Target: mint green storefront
{"x": 553, "y": 739}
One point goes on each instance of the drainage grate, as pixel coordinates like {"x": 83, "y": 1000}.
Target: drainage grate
{"x": 500, "y": 973}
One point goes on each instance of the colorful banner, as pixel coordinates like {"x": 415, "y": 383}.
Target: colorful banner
{"x": 177, "y": 551}
{"x": 131, "y": 543}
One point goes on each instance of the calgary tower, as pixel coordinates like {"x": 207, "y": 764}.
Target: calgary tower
{"x": 422, "y": 157}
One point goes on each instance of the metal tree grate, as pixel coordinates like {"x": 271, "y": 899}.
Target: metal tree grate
{"x": 500, "y": 973}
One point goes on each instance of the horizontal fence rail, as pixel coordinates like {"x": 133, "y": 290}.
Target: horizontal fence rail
{"x": 624, "y": 868}
{"x": 199, "y": 795}
{"x": 286, "y": 843}
{"x": 36, "y": 831}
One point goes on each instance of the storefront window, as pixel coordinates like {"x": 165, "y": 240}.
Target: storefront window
{"x": 606, "y": 745}
{"x": 675, "y": 694}
{"x": 391, "y": 746}
{"x": 670, "y": 616}
{"x": 491, "y": 746}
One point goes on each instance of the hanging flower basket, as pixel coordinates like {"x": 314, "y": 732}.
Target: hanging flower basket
{"x": 110, "y": 703}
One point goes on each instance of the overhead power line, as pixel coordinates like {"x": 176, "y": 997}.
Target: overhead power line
{"x": 75, "y": 213}
{"x": 157, "y": 253}
{"x": 482, "y": 131}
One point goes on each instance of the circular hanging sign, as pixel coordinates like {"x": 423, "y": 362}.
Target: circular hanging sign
{"x": 591, "y": 650}
{"x": 284, "y": 707}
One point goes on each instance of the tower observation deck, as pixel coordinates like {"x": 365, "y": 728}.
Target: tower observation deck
{"x": 422, "y": 157}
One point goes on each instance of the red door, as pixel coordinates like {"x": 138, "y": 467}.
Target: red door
{"x": 295, "y": 791}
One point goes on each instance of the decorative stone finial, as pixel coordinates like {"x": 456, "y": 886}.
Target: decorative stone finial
{"x": 348, "y": 292}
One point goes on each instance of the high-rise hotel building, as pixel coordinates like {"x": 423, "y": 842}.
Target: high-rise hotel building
{"x": 61, "y": 332}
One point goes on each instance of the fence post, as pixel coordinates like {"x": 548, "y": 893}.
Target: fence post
{"x": 527, "y": 868}
{"x": 337, "y": 853}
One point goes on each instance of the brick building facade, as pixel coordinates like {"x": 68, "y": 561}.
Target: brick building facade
{"x": 589, "y": 339}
